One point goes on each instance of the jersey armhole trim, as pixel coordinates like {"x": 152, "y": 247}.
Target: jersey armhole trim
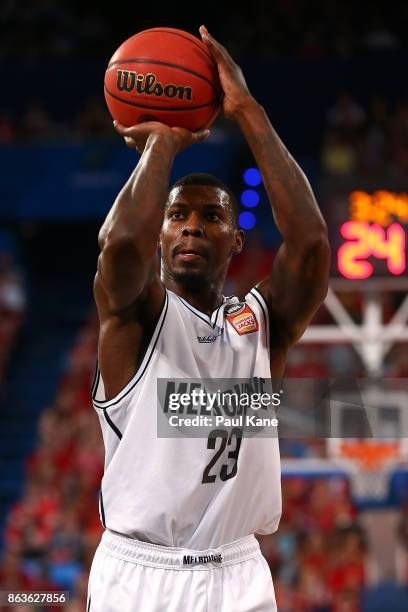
{"x": 95, "y": 381}
{"x": 264, "y": 308}
{"x": 102, "y": 509}
{"x": 102, "y": 404}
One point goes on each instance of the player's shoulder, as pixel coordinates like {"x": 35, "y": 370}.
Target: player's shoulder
{"x": 256, "y": 296}
{"x": 255, "y": 300}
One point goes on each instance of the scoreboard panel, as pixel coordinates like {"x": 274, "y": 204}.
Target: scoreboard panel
{"x": 371, "y": 241}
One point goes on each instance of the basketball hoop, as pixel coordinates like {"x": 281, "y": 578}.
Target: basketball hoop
{"x": 369, "y": 463}
{"x": 373, "y": 337}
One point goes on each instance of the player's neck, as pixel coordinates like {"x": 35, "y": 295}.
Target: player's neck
{"x": 205, "y": 299}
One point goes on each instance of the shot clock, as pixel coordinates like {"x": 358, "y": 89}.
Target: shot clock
{"x": 372, "y": 239}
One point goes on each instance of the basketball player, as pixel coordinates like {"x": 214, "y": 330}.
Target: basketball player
{"x": 180, "y": 516}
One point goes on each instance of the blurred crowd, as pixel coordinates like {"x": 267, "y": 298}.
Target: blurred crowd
{"x": 44, "y": 28}
{"x": 319, "y": 557}
{"x": 36, "y": 124}
{"x": 12, "y": 306}
{"x": 366, "y": 142}
{"x": 360, "y": 136}
{"x": 53, "y": 530}
{"x": 359, "y": 141}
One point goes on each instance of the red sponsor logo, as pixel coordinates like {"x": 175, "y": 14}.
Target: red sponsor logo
{"x": 244, "y": 322}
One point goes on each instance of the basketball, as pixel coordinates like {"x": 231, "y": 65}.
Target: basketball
{"x": 166, "y": 75}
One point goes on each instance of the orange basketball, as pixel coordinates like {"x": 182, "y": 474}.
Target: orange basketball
{"x": 165, "y": 75}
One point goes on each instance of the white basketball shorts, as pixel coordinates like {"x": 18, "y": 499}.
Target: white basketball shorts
{"x": 132, "y": 576}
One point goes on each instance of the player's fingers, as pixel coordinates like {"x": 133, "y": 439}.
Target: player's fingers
{"x": 200, "y": 135}
{"x": 140, "y": 131}
{"x": 130, "y": 132}
{"x": 133, "y": 130}
{"x": 131, "y": 142}
{"x": 217, "y": 49}
{"x": 118, "y": 127}
{"x": 209, "y": 42}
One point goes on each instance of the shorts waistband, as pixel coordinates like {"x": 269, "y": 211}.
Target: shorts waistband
{"x": 154, "y": 555}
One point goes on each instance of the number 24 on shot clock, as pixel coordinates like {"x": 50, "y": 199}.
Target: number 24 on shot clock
{"x": 374, "y": 230}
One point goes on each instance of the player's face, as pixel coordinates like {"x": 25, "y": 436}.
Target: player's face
{"x": 198, "y": 235}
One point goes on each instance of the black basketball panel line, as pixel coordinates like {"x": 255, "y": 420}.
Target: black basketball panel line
{"x": 162, "y": 108}
{"x": 167, "y": 31}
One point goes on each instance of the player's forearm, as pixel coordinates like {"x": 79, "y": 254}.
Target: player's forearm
{"x": 293, "y": 204}
{"x": 128, "y": 238}
{"x": 137, "y": 213}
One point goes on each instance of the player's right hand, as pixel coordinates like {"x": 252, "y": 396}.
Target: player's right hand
{"x": 137, "y": 136}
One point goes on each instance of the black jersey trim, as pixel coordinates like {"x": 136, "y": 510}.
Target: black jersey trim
{"x": 201, "y": 315}
{"x": 104, "y": 404}
{"x": 89, "y": 604}
{"x": 261, "y": 301}
{"x": 217, "y": 312}
{"x": 111, "y": 424}
{"x": 195, "y": 312}
{"x": 95, "y": 382}
{"x": 102, "y": 510}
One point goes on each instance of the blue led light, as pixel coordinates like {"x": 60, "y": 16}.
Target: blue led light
{"x": 250, "y": 198}
{"x": 247, "y": 220}
{"x": 252, "y": 177}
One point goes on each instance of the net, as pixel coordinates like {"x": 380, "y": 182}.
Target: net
{"x": 369, "y": 464}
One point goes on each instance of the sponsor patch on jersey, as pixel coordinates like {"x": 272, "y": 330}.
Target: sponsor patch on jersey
{"x": 234, "y": 309}
{"x": 242, "y": 318}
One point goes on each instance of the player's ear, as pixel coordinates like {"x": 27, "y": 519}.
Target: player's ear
{"x": 239, "y": 239}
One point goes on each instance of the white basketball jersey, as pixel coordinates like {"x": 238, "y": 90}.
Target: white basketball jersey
{"x": 153, "y": 488}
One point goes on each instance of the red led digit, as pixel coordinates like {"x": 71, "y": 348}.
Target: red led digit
{"x": 349, "y": 264}
{"x": 389, "y": 244}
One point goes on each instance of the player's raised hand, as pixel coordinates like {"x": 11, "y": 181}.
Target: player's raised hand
{"x": 138, "y": 135}
{"x": 236, "y": 92}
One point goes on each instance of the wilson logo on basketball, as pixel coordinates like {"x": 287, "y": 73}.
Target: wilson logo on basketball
{"x": 128, "y": 80}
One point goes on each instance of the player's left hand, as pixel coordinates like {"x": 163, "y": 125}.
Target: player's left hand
{"x": 236, "y": 92}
